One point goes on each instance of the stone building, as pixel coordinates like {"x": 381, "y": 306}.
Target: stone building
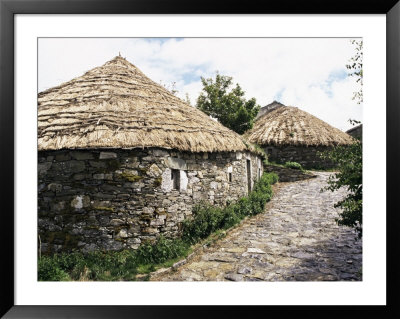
{"x": 268, "y": 108}
{"x": 289, "y": 134}
{"x": 356, "y": 132}
{"x": 121, "y": 160}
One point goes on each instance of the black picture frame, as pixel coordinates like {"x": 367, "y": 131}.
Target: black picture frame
{"x": 9, "y": 8}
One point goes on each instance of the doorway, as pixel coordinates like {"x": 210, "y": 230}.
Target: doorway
{"x": 249, "y": 175}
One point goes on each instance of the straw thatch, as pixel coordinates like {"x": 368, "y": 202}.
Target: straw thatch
{"x": 117, "y": 106}
{"x": 287, "y": 125}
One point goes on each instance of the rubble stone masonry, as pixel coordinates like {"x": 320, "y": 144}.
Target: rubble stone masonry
{"x": 307, "y": 156}
{"x": 115, "y": 199}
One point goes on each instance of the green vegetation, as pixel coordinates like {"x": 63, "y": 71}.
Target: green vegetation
{"x": 355, "y": 68}
{"x": 349, "y": 175}
{"x": 207, "y": 219}
{"x": 112, "y": 265}
{"x": 130, "y": 177}
{"x": 208, "y": 224}
{"x": 229, "y": 108}
{"x": 293, "y": 165}
{"x": 261, "y": 151}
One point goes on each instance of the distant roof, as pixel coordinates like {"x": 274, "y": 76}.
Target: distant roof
{"x": 288, "y": 125}
{"x": 355, "y": 128}
{"x": 268, "y": 108}
{"x": 117, "y": 106}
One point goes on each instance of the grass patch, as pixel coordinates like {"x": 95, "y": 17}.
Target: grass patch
{"x": 208, "y": 224}
{"x": 112, "y": 265}
{"x": 294, "y": 165}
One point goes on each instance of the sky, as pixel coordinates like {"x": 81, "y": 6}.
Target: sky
{"x": 308, "y": 73}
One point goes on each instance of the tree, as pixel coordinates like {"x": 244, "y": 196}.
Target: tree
{"x": 355, "y": 68}
{"x": 349, "y": 159}
{"x": 230, "y": 108}
{"x": 349, "y": 175}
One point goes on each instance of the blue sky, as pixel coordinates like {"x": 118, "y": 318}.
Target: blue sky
{"x": 303, "y": 72}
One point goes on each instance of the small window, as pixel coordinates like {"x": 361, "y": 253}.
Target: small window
{"x": 230, "y": 177}
{"x": 259, "y": 173}
{"x": 249, "y": 184}
{"x": 175, "y": 177}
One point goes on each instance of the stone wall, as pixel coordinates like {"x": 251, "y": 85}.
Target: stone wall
{"x": 116, "y": 199}
{"x": 286, "y": 174}
{"x": 355, "y": 132}
{"x": 306, "y": 156}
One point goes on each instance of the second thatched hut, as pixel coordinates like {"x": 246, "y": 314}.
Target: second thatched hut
{"x": 122, "y": 161}
{"x": 289, "y": 134}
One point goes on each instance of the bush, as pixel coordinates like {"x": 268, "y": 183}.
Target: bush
{"x": 49, "y": 270}
{"x": 96, "y": 265}
{"x": 207, "y": 219}
{"x": 293, "y": 165}
{"x": 270, "y": 179}
{"x": 163, "y": 250}
{"x": 231, "y": 216}
{"x": 349, "y": 175}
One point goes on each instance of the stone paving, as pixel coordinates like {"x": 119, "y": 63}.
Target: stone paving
{"x": 296, "y": 239}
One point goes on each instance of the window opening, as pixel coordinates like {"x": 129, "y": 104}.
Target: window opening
{"x": 249, "y": 175}
{"x": 175, "y": 177}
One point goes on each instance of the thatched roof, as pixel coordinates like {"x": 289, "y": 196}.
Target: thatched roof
{"x": 117, "y": 106}
{"x": 287, "y": 125}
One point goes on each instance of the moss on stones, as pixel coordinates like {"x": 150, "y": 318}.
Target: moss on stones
{"x": 130, "y": 177}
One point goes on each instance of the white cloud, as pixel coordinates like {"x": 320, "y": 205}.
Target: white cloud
{"x": 335, "y": 108}
{"x": 299, "y": 69}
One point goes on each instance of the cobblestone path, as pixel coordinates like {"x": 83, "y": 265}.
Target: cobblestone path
{"x": 296, "y": 239}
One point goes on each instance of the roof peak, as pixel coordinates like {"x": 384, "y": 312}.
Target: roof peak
{"x": 119, "y": 58}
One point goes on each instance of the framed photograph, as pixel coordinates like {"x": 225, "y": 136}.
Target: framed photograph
{"x": 116, "y": 155}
